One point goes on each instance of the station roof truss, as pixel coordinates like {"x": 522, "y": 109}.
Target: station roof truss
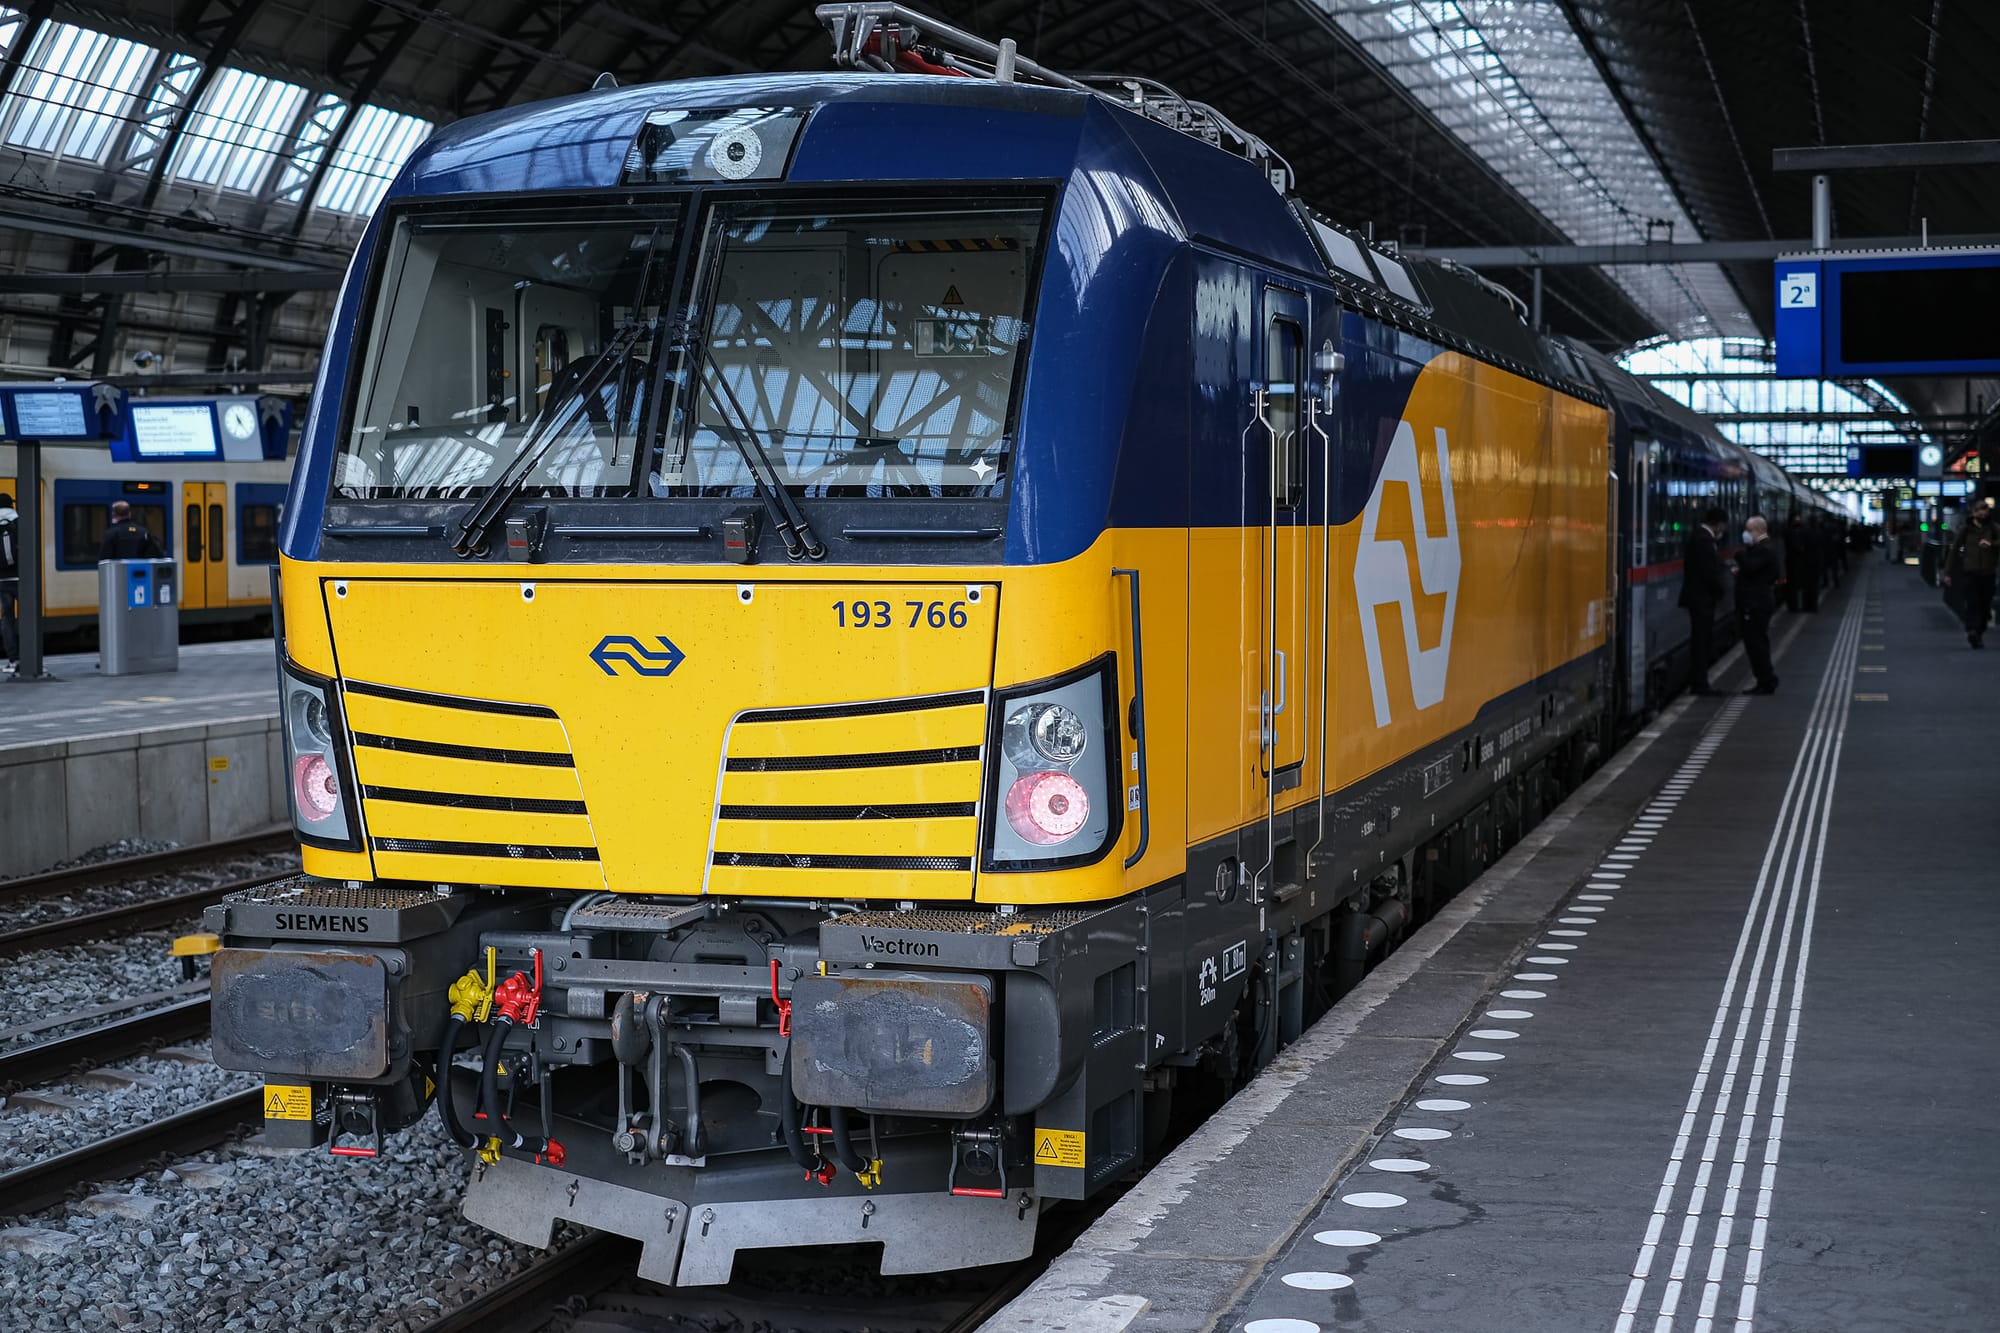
{"x": 148, "y": 146}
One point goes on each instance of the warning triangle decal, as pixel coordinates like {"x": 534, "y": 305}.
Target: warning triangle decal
{"x": 951, "y": 296}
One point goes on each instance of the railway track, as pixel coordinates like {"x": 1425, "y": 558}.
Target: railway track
{"x": 76, "y": 878}
{"x": 128, "y": 918}
{"x": 150, "y": 1020}
{"x": 30, "y": 1188}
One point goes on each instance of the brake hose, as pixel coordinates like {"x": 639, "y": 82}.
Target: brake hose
{"x": 448, "y": 1048}
{"x": 497, "y": 1125}
{"x": 788, "y": 1116}
{"x": 843, "y": 1146}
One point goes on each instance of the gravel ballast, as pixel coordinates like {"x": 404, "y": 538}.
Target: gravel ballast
{"x": 37, "y": 911}
{"x": 260, "y": 1239}
{"x": 81, "y": 1109}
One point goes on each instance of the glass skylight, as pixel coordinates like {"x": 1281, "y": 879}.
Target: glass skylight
{"x": 236, "y": 131}
{"x": 1804, "y": 446}
{"x": 71, "y": 92}
{"x": 1512, "y": 81}
{"x": 376, "y": 146}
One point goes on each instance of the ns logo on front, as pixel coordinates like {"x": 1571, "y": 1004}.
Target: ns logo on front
{"x": 1382, "y": 573}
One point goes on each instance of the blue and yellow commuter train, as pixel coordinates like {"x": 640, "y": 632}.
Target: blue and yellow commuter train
{"x": 849, "y": 639}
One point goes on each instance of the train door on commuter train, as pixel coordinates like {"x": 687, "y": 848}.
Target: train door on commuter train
{"x": 204, "y": 545}
{"x": 1641, "y": 537}
{"x": 1288, "y": 545}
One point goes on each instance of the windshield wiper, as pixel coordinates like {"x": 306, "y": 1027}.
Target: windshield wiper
{"x": 555, "y": 419}
{"x": 793, "y": 529}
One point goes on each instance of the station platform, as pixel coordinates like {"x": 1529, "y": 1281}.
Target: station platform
{"x": 186, "y": 756}
{"x": 1707, "y": 1051}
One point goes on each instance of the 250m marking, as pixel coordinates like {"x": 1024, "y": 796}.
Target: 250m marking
{"x": 881, "y": 615}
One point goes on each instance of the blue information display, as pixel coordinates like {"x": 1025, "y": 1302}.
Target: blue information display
{"x": 1914, "y": 312}
{"x": 60, "y": 412}
{"x": 174, "y": 430}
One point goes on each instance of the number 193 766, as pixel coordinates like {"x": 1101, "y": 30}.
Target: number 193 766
{"x": 881, "y": 615}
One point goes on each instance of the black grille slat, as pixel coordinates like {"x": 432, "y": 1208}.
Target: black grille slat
{"x": 820, "y": 762}
{"x": 402, "y": 695}
{"x": 874, "y": 708}
{"x": 442, "y": 750}
{"x": 812, "y": 861}
{"x": 508, "y": 851}
{"x": 520, "y": 805}
{"x": 932, "y": 810}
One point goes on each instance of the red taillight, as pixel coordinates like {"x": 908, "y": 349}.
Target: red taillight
{"x": 1046, "y": 808}
{"x": 316, "y": 788}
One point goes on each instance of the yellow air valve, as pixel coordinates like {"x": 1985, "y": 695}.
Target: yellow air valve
{"x": 471, "y": 998}
{"x": 489, "y": 1151}
{"x": 187, "y": 948}
{"x": 872, "y": 1177}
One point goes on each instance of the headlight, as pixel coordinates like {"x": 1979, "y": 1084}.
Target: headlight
{"x": 1049, "y": 796}
{"x": 323, "y": 806}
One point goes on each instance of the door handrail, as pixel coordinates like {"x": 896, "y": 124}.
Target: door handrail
{"x": 1138, "y": 721}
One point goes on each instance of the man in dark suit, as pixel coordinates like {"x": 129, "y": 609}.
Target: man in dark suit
{"x": 1703, "y": 581}
{"x": 125, "y": 539}
{"x": 1758, "y": 569}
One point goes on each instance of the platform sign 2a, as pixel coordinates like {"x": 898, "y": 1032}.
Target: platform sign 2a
{"x": 1798, "y": 318}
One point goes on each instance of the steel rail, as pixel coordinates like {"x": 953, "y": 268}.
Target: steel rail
{"x": 46, "y": 1060}
{"x": 55, "y": 882}
{"x": 28, "y": 1189}
{"x": 128, "y": 918}
{"x": 528, "y": 1299}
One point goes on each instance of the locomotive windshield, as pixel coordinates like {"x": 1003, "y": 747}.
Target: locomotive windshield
{"x": 489, "y": 329}
{"x": 873, "y": 353}
{"x": 868, "y": 352}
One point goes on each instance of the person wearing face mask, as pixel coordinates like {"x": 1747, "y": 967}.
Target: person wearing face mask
{"x": 1758, "y": 569}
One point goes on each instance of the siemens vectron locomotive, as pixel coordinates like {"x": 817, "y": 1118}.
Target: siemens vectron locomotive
{"x": 847, "y": 640}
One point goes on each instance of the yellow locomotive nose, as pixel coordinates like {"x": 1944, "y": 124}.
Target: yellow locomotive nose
{"x": 633, "y": 750}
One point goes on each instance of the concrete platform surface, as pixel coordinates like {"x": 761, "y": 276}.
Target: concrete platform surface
{"x": 1683, "y": 1060}
{"x": 215, "y": 681}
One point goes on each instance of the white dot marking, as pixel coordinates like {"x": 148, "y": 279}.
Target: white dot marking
{"x": 1281, "y": 1326}
{"x": 1461, "y": 1080}
{"x": 1421, "y": 1135}
{"x": 1347, "y": 1238}
{"x": 1596, "y": 898}
{"x": 1443, "y": 1104}
{"x": 1556, "y": 944}
{"x": 1493, "y": 1034}
{"x": 1510, "y": 1013}
{"x": 1546, "y": 962}
{"x": 1524, "y": 995}
{"x": 1477, "y": 1055}
{"x": 1368, "y": 1199}
{"x": 1404, "y": 1164}
{"x": 1317, "y": 1281}
{"x": 1575, "y": 908}
{"x": 1568, "y": 934}
{"x": 1536, "y": 976}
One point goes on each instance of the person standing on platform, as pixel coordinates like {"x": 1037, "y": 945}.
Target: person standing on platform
{"x": 1802, "y": 569}
{"x": 1758, "y": 569}
{"x": 10, "y": 582}
{"x": 1703, "y": 581}
{"x": 1972, "y": 558}
{"x": 126, "y": 540}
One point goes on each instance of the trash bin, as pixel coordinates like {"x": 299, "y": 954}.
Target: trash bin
{"x": 138, "y": 617}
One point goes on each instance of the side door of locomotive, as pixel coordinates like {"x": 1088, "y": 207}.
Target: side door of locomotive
{"x": 1295, "y": 454}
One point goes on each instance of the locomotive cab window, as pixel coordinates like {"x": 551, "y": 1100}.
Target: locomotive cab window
{"x": 500, "y": 332}
{"x": 870, "y": 353}
{"x": 1284, "y": 359}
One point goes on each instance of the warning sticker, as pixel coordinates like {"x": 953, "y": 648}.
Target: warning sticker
{"x": 284, "y": 1101}
{"x": 1059, "y": 1147}
{"x": 219, "y": 763}
{"x": 951, "y": 296}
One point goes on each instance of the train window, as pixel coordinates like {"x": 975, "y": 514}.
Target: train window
{"x": 80, "y": 526}
{"x": 215, "y": 532}
{"x": 259, "y": 536}
{"x": 872, "y": 352}
{"x": 501, "y": 329}
{"x": 193, "y": 534}
{"x": 1283, "y": 348}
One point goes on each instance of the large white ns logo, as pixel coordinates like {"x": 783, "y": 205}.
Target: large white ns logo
{"x": 1382, "y": 574}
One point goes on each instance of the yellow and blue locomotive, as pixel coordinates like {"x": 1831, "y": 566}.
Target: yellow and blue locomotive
{"x": 847, "y": 638}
